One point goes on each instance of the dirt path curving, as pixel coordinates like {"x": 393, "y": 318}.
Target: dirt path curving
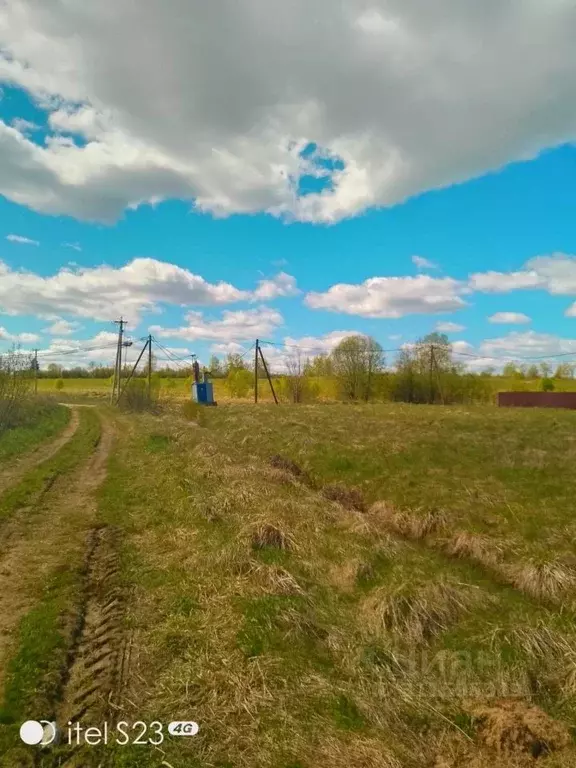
{"x": 52, "y": 537}
{"x": 12, "y": 474}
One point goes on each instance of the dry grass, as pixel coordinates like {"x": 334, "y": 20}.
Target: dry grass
{"x": 407, "y": 524}
{"x": 542, "y": 580}
{"x": 481, "y": 549}
{"x": 267, "y": 535}
{"x": 349, "y": 498}
{"x": 416, "y": 615}
{"x": 510, "y": 727}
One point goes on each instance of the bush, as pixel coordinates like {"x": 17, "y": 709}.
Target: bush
{"x": 297, "y": 389}
{"x": 135, "y": 396}
{"x": 239, "y": 382}
{"x": 547, "y": 385}
{"x": 59, "y": 384}
{"x": 15, "y": 388}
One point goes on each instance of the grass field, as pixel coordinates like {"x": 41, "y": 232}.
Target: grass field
{"x": 373, "y": 586}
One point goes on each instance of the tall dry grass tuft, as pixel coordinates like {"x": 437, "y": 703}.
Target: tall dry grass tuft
{"x": 473, "y": 546}
{"x": 542, "y": 580}
{"x": 406, "y": 524}
{"x": 268, "y": 535}
{"x": 349, "y": 498}
{"x": 416, "y": 615}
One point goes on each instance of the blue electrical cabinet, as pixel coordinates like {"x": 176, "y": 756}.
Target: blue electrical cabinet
{"x": 203, "y": 393}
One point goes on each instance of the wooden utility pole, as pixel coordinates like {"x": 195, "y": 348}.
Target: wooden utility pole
{"x": 35, "y": 371}
{"x": 268, "y": 375}
{"x": 256, "y": 351}
{"x": 117, "y": 367}
{"x": 132, "y": 372}
{"x": 149, "y": 369}
{"x": 432, "y": 364}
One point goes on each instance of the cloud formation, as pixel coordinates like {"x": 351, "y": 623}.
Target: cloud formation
{"x": 242, "y": 325}
{"x": 18, "y": 338}
{"x": 103, "y": 292}
{"x": 391, "y": 297}
{"x": 214, "y": 102}
{"x": 21, "y": 240}
{"x": 509, "y": 318}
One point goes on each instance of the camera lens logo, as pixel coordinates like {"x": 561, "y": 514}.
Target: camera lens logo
{"x": 41, "y": 732}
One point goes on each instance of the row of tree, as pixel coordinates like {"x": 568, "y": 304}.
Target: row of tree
{"x": 423, "y": 372}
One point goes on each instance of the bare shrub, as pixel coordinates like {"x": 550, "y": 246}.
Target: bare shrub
{"x": 135, "y": 396}
{"x": 15, "y": 387}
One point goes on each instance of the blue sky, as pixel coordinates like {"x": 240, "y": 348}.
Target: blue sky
{"x": 297, "y": 230}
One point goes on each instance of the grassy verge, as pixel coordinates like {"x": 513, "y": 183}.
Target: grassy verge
{"x": 301, "y": 633}
{"x": 45, "y": 420}
{"x": 41, "y": 478}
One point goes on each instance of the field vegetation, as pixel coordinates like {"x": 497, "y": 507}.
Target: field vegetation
{"x": 346, "y": 584}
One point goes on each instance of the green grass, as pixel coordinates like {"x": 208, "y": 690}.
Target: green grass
{"x": 43, "y": 421}
{"x": 40, "y": 478}
{"x": 344, "y": 644}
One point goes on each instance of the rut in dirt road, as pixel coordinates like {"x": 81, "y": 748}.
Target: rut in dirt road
{"x": 95, "y": 658}
{"x": 12, "y": 475}
{"x": 56, "y": 539}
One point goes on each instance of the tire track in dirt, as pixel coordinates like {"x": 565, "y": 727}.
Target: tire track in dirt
{"x": 55, "y": 539}
{"x": 12, "y": 475}
{"x": 97, "y": 658}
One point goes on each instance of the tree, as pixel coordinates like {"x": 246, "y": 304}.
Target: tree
{"x": 564, "y": 371}
{"x": 215, "y": 367}
{"x": 239, "y": 382}
{"x": 321, "y": 365}
{"x": 298, "y": 385}
{"x": 546, "y": 369}
{"x": 54, "y": 370}
{"x": 234, "y": 362}
{"x": 532, "y": 372}
{"x": 356, "y": 361}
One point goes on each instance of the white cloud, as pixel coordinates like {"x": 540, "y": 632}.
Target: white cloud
{"x": 281, "y": 285}
{"x": 21, "y": 240}
{"x": 74, "y": 246}
{"x": 242, "y": 325}
{"x": 405, "y": 92}
{"x": 527, "y": 344}
{"x": 62, "y": 328}
{"x": 18, "y": 338}
{"x": 421, "y": 263}
{"x": 449, "y": 327}
{"x": 24, "y": 126}
{"x": 555, "y": 273}
{"x": 391, "y": 297}
{"x": 509, "y": 318}
{"x": 104, "y": 292}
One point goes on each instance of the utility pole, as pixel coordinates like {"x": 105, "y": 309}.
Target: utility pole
{"x": 432, "y": 364}
{"x": 149, "y": 369}
{"x": 257, "y": 350}
{"x": 117, "y": 367}
{"x": 268, "y": 375}
{"x": 35, "y": 371}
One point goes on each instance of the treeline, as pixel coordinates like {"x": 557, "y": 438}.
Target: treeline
{"x": 355, "y": 370}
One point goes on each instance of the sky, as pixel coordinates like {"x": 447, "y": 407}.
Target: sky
{"x": 293, "y": 172}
